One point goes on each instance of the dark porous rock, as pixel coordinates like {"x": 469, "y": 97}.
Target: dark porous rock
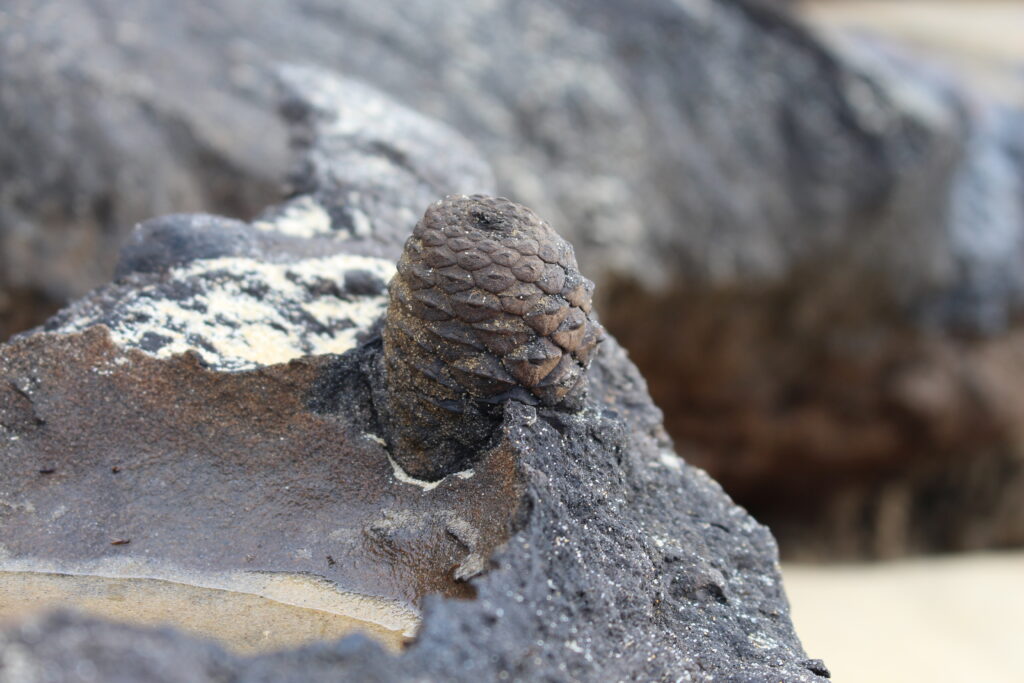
{"x": 215, "y": 422}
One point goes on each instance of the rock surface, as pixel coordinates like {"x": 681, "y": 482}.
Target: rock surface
{"x": 218, "y": 397}
{"x": 854, "y": 420}
{"x": 640, "y": 128}
{"x": 755, "y": 201}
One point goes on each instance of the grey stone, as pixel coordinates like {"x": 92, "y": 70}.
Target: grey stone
{"x": 715, "y": 141}
{"x": 162, "y": 242}
{"x": 813, "y": 196}
{"x": 621, "y": 561}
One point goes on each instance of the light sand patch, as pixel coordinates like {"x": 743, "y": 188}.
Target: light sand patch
{"x": 944, "y": 620}
{"x": 243, "y": 622}
{"x": 245, "y": 313}
{"x": 303, "y": 217}
{"x": 983, "y": 38}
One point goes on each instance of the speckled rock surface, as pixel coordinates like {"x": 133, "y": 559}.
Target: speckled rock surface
{"x": 595, "y": 552}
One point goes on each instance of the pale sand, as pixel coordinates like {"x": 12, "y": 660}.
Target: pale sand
{"x": 984, "y": 39}
{"x": 245, "y": 622}
{"x": 942, "y": 620}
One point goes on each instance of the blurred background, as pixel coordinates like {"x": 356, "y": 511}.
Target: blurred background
{"x": 805, "y": 220}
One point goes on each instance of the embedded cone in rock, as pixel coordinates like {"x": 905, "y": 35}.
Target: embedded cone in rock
{"x": 488, "y": 304}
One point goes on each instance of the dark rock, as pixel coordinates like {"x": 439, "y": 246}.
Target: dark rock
{"x": 58, "y": 647}
{"x": 159, "y": 243}
{"x": 711, "y": 141}
{"x": 711, "y": 160}
{"x": 92, "y": 149}
{"x": 363, "y": 282}
{"x": 580, "y": 548}
{"x": 257, "y": 466}
{"x": 816, "y": 666}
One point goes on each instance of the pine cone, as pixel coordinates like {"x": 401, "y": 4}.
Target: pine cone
{"x": 488, "y": 305}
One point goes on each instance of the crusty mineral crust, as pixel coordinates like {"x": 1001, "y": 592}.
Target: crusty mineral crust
{"x": 488, "y": 305}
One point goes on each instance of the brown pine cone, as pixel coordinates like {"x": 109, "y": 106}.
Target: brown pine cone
{"x": 488, "y": 305}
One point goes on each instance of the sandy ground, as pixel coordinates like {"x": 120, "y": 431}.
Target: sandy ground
{"x": 245, "y": 622}
{"x": 942, "y": 620}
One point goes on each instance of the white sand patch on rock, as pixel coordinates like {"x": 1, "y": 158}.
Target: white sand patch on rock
{"x": 241, "y": 313}
{"x": 303, "y": 217}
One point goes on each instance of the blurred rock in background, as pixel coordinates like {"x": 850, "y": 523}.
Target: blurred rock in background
{"x": 811, "y": 243}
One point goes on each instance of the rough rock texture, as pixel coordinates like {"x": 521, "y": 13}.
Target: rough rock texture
{"x": 620, "y": 561}
{"x": 488, "y": 305}
{"x": 714, "y": 140}
{"x": 795, "y": 201}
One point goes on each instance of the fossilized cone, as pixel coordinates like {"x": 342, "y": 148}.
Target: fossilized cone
{"x": 488, "y": 305}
